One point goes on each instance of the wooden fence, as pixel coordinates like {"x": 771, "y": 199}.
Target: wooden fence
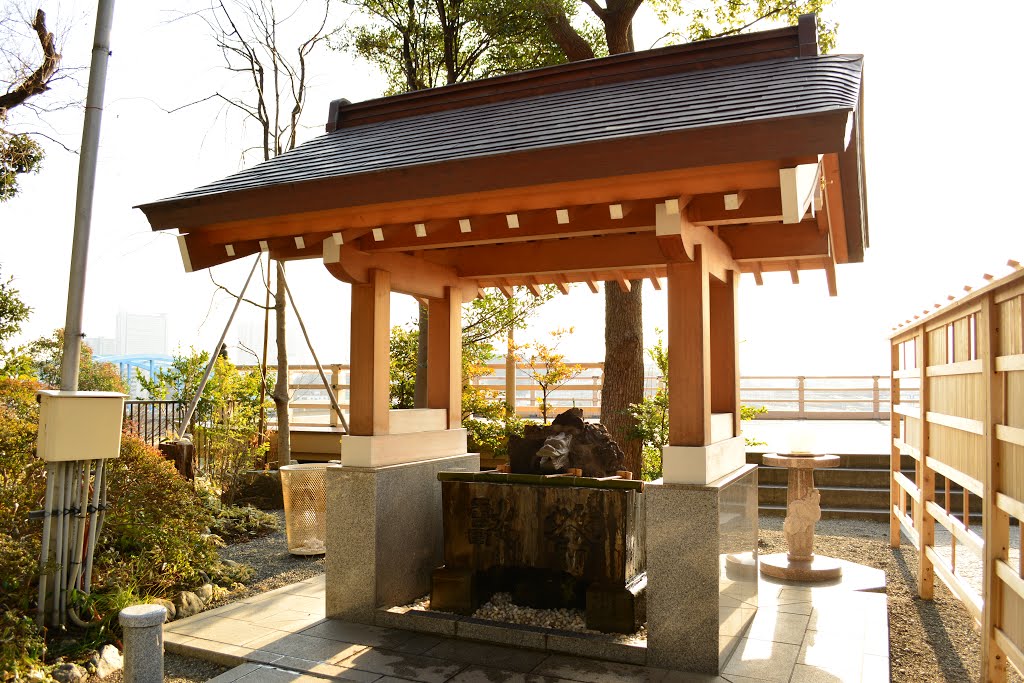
{"x": 958, "y": 411}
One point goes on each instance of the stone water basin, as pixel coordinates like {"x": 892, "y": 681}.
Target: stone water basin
{"x": 550, "y": 540}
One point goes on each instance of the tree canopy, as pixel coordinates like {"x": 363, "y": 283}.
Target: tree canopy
{"x": 29, "y": 64}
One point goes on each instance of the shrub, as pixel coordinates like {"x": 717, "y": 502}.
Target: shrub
{"x": 235, "y": 524}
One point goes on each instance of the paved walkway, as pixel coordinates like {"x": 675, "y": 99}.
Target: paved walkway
{"x": 800, "y": 635}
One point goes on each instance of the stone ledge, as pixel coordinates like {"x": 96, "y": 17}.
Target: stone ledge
{"x": 556, "y": 641}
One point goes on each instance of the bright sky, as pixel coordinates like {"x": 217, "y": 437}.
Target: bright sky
{"x": 942, "y": 133}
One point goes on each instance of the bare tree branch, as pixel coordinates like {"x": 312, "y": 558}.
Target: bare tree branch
{"x": 38, "y": 81}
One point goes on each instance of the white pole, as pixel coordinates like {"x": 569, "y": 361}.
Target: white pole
{"x": 86, "y": 185}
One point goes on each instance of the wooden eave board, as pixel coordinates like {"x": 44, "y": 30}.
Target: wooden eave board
{"x": 764, "y": 110}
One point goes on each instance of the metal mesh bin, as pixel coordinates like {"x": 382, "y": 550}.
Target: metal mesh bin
{"x": 305, "y": 501}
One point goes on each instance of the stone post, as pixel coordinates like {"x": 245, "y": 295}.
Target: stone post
{"x": 143, "y": 627}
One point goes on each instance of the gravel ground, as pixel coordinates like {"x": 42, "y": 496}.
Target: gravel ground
{"x": 929, "y": 640}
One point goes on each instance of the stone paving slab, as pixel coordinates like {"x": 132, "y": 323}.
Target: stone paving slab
{"x": 801, "y": 634}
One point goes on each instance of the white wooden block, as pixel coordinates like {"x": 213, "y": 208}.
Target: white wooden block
{"x": 464, "y": 225}
{"x": 395, "y": 449}
{"x": 338, "y": 238}
{"x": 229, "y": 249}
{"x": 186, "y": 260}
{"x": 264, "y": 247}
{"x": 378, "y": 235}
{"x": 615, "y": 211}
{"x": 562, "y": 215}
{"x": 732, "y": 201}
{"x": 513, "y": 220}
{"x": 300, "y": 243}
{"x": 702, "y": 464}
{"x": 721, "y": 427}
{"x": 421, "y": 230}
{"x": 672, "y": 206}
{"x": 411, "y": 421}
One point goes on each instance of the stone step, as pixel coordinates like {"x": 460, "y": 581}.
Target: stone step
{"x": 871, "y": 515}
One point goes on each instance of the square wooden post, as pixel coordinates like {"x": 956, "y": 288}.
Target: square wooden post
{"x": 444, "y": 355}
{"x": 689, "y": 352}
{"x": 370, "y": 383}
{"x": 725, "y": 374}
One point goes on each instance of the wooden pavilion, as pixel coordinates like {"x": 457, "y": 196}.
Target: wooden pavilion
{"x": 688, "y": 164}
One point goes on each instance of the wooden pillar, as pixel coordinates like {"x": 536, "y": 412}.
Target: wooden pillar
{"x": 995, "y": 521}
{"x": 689, "y": 352}
{"x": 371, "y": 356}
{"x": 444, "y": 362}
{"x": 725, "y": 375}
{"x": 923, "y": 521}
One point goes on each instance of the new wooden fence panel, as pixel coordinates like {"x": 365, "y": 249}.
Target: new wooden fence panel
{"x": 969, "y": 360}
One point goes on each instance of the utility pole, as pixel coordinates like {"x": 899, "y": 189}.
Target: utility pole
{"x": 86, "y": 184}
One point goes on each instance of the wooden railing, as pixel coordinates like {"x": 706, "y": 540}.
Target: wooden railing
{"x": 964, "y": 366}
{"x": 786, "y": 397}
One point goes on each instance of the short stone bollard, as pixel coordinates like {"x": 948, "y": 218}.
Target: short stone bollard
{"x": 143, "y": 627}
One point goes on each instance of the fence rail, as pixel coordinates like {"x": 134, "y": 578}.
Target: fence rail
{"x": 963, "y": 367}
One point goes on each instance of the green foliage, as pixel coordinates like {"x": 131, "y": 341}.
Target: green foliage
{"x": 21, "y": 642}
{"x": 546, "y": 366}
{"x": 19, "y": 154}
{"x": 227, "y": 415}
{"x": 238, "y": 523}
{"x": 22, "y": 475}
{"x": 426, "y": 43}
{"x": 13, "y": 312}
{"x": 713, "y": 18}
{"x": 47, "y": 354}
{"x": 404, "y": 344}
{"x": 494, "y": 315}
{"x": 651, "y": 415}
{"x": 153, "y": 540}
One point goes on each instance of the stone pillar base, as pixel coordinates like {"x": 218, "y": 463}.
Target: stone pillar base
{"x": 700, "y": 597}
{"x": 384, "y": 534}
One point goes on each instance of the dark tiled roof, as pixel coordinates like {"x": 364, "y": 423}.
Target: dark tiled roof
{"x": 756, "y": 91}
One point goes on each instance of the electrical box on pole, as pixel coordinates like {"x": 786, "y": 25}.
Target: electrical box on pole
{"x": 79, "y": 425}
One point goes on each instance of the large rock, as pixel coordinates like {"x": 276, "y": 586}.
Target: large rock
{"x": 167, "y": 605}
{"x": 187, "y": 603}
{"x": 205, "y": 593}
{"x": 108, "y": 660}
{"x": 69, "y": 673}
{"x": 568, "y": 442}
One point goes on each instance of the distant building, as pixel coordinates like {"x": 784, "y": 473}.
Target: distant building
{"x": 141, "y": 334}
{"x": 102, "y": 346}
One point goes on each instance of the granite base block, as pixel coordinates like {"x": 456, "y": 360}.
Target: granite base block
{"x": 697, "y": 603}
{"x": 384, "y": 534}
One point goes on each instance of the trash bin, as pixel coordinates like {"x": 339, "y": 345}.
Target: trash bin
{"x": 305, "y": 502}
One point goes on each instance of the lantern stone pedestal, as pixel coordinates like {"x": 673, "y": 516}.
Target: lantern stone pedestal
{"x": 803, "y": 510}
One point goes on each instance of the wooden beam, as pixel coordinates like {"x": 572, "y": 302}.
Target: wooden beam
{"x": 506, "y": 289}
{"x": 444, "y": 355}
{"x": 794, "y": 272}
{"x": 774, "y": 241}
{"x": 724, "y": 374}
{"x": 410, "y": 274}
{"x": 370, "y": 353}
{"x": 534, "y": 289}
{"x": 834, "y": 207}
{"x": 759, "y": 206}
{"x": 689, "y": 350}
{"x": 758, "y": 280}
{"x": 562, "y": 286}
{"x": 585, "y": 221}
{"x": 624, "y": 285}
{"x": 830, "y": 277}
{"x": 610, "y": 252}
{"x": 592, "y": 285}
{"x": 656, "y": 283}
{"x": 677, "y": 237}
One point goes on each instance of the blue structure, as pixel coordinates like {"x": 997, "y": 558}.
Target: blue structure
{"x": 126, "y": 364}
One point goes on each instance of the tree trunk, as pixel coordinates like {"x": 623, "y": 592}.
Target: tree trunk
{"x": 284, "y": 442}
{"x": 623, "y": 381}
{"x": 420, "y": 390}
